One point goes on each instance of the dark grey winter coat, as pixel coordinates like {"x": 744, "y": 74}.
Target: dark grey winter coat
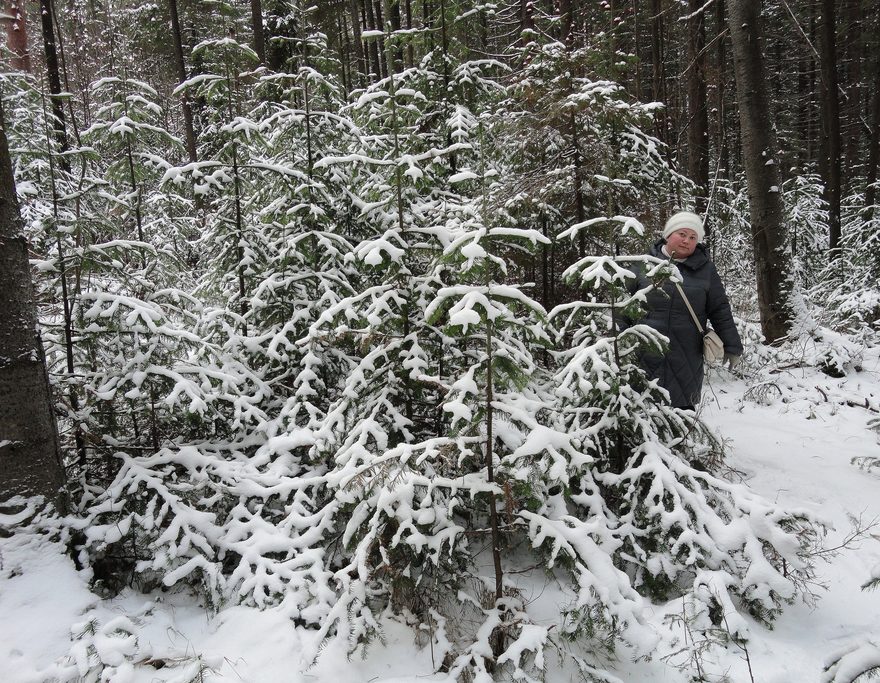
{"x": 680, "y": 371}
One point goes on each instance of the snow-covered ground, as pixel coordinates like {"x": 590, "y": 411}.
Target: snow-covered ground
{"x": 794, "y": 441}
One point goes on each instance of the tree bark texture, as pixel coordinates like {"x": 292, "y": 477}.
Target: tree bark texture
{"x": 772, "y": 258}
{"x": 698, "y": 111}
{"x": 180, "y": 65}
{"x": 806, "y": 116}
{"x": 29, "y": 460}
{"x": 357, "y": 41}
{"x": 392, "y": 14}
{"x": 257, "y": 27}
{"x": 658, "y": 72}
{"x": 380, "y": 26}
{"x": 853, "y": 57}
{"x": 831, "y": 121}
{"x": 526, "y": 18}
{"x": 721, "y": 92}
{"x": 16, "y": 35}
{"x": 637, "y": 42}
{"x": 874, "y": 141}
{"x": 373, "y": 45}
{"x": 53, "y": 72}
{"x": 497, "y": 636}
{"x": 566, "y": 22}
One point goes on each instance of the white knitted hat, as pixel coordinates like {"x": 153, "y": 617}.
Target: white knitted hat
{"x": 684, "y": 219}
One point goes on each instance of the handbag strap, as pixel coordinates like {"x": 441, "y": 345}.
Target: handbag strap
{"x": 690, "y": 308}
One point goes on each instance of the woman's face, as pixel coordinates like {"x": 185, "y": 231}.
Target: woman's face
{"x": 681, "y": 243}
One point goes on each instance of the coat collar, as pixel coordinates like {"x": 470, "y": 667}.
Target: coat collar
{"x": 693, "y": 262}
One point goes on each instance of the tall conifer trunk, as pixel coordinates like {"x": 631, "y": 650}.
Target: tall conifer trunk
{"x": 526, "y": 18}
{"x": 874, "y": 142}
{"x": 59, "y": 126}
{"x": 380, "y": 26}
{"x": 257, "y": 27}
{"x": 410, "y": 50}
{"x": 53, "y": 73}
{"x": 189, "y": 131}
{"x": 658, "y": 74}
{"x": 392, "y": 15}
{"x": 831, "y": 121}
{"x": 373, "y": 45}
{"x": 772, "y": 258}
{"x": 698, "y": 114}
{"x": 566, "y": 21}
{"x": 357, "y": 42}
{"x": 16, "y": 35}
{"x": 498, "y": 635}
{"x": 854, "y": 48}
{"x": 29, "y": 458}
{"x": 721, "y": 91}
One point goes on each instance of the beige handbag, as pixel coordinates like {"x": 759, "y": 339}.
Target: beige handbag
{"x": 713, "y": 347}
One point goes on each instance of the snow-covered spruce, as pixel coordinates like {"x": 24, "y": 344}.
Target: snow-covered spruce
{"x": 857, "y": 661}
{"x": 375, "y": 467}
{"x": 643, "y": 485}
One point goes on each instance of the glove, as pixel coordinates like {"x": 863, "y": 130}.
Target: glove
{"x": 731, "y": 360}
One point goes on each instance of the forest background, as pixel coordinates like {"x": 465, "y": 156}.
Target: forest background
{"x": 326, "y": 289}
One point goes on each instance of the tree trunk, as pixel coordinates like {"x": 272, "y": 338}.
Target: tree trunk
{"x": 392, "y": 14}
{"x": 579, "y": 204}
{"x": 16, "y": 35}
{"x": 657, "y": 70}
{"x": 830, "y": 121}
{"x": 380, "y": 26}
{"x": 29, "y": 461}
{"x": 874, "y": 142}
{"x": 526, "y": 19}
{"x": 698, "y": 114}
{"x": 637, "y": 42}
{"x": 373, "y": 45}
{"x": 772, "y": 258}
{"x": 410, "y": 50}
{"x": 59, "y": 125}
{"x": 545, "y": 266}
{"x": 853, "y": 58}
{"x": 721, "y": 91}
{"x": 357, "y": 41}
{"x": 616, "y": 44}
{"x": 497, "y": 637}
{"x": 804, "y": 116}
{"x": 189, "y": 130}
{"x": 344, "y": 47}
{"x": 566, "y": 22}
{"x": 54, "y": 76}
{"x": 257, "y": 27}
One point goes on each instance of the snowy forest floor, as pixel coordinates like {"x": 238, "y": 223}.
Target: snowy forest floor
{"x": 793, "y": 440}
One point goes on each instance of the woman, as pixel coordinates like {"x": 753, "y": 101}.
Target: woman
{"x": 680, "y": 370}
